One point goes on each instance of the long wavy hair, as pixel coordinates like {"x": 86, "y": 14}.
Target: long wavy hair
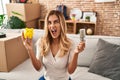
{"x": 46, "y": 40}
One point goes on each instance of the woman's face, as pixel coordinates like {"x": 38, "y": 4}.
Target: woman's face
{"x": 54, "y": 26}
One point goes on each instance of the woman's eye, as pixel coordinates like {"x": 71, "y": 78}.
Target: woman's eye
{"x": 56, "y": 21}
{"x": 49, "y": 23}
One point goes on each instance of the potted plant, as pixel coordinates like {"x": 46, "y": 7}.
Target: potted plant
{"x": 87, "y": 18}
{"x": 15, "y": 23}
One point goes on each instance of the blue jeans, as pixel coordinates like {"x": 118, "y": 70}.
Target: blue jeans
{"x": 42, "y": 78}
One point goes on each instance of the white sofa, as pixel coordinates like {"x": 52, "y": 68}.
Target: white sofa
{"x": 25, "y": 71}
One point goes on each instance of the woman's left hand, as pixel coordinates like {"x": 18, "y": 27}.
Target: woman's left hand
{"x": 80, "y": 47}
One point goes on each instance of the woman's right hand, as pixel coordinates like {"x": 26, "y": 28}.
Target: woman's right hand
{"x": 29, "y": 46}
{"x": 27, "y": 42}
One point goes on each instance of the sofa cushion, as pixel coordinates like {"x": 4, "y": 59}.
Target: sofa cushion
{"x": 85, "y": 57}
{"x": 38, "y": 33}
{"x": 81, "y": 73}
{"x": 106, "y": 61}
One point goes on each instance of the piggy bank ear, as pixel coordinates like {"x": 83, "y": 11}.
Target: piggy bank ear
{"x": 27, "y": 29}
{"x": 25, "y": 32}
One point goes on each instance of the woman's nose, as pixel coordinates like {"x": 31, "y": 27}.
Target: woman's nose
{"x": 52, "y": 25}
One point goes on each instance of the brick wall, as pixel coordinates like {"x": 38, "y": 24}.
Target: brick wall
{"x": 108, "y": 14}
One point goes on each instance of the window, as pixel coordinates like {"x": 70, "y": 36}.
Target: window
{"x": 3, "y": 6}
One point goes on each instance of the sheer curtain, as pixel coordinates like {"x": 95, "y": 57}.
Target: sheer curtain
{"x": 3, "y": 6}
{"x": 3, "y": 12}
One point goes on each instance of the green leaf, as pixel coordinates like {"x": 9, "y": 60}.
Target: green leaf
{"x": 2, "y": 17}
{"x": 16, "y": 23}
{"x": 17, "y": 13}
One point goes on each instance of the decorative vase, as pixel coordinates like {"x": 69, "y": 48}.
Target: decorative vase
{"x": 89, "y": 31}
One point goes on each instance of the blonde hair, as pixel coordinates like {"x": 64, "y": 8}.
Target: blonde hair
{"x": 45, "y": 42}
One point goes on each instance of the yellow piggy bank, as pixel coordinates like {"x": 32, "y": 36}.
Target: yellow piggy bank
{"x": 28, "y": 33}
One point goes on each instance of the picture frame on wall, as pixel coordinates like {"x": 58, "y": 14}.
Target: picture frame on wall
{"x": 105, "y": 0}
{"x": 92, "y": 15}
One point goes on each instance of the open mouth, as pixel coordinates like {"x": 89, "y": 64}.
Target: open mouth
{"x": 53, "y": 31}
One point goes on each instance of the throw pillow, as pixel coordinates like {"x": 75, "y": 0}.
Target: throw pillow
{"x": 106, "y": 61}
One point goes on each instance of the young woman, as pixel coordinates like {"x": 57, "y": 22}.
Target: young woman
{"x": 56, "y": 53}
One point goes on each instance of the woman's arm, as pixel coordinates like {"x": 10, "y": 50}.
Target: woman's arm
{"x": 73, "y": 63}
{"x": 36, "y": 63}
{"x": 29, "y": 46}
